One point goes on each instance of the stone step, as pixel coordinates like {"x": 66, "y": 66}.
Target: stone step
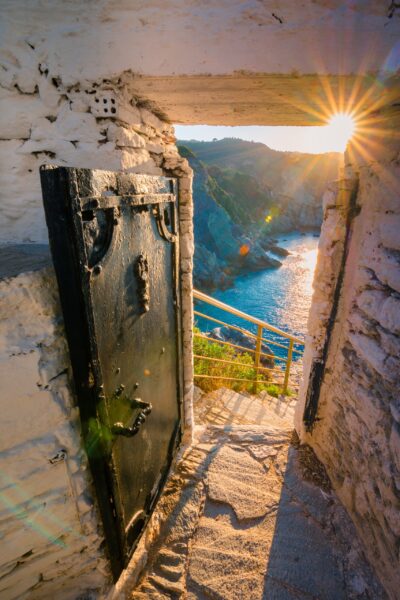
{"x": 171, "y": 573}
{"x": 147, "y": 592}
{"x": 167, "y": 557}
{"x": 226, "y": 407}
{"x": 172, "y": 587}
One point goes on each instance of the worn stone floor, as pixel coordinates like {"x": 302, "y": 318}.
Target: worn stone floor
{"x": 249, "y": 514}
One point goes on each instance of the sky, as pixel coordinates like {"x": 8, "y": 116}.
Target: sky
{"x": 315, "y": 140}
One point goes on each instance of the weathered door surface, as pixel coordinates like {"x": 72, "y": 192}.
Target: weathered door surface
{"x": 114, "y": 242}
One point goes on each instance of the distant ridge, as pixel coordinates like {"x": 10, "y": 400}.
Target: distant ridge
{"x": 244, "y": 193}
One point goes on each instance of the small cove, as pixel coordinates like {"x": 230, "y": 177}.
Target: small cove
{"x": 281, "y": 296}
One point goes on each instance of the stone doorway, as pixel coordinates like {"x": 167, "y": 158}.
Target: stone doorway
{"x": 83, "y": 85}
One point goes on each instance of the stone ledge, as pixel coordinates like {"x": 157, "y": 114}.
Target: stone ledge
{"x": 23, "y": 258}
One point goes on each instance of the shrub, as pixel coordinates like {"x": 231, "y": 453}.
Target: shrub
{"x": 204, "y": 347}
{"x": 274, "y": 390}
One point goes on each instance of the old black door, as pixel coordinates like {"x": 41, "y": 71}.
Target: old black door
{"x": 114, "y": 241}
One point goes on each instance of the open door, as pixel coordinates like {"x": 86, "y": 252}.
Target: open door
{"x": 115, "y": 246}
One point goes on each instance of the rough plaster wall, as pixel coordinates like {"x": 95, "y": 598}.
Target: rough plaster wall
{"x": 94, "y": 125}
{"x": 103, "y": 38}
{"x": 220, "y": 61}
{"x": 357, "y": 432}
{"x": 50, "y": 542}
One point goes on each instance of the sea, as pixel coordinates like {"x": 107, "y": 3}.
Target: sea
{"x": 280, "y": 296}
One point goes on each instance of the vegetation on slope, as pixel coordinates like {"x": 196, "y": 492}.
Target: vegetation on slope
{"x": 220, "y": 370}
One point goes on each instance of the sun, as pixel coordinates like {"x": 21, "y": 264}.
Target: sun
{"x": 343, "y": 123}
{"x": 340, "y": 130}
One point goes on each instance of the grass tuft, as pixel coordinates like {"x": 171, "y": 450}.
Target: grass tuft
{"x": 206, "y": 367}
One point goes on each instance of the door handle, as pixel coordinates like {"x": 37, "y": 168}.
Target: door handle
{"x": 120, "y": 429}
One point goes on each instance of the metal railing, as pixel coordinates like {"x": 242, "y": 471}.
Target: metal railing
{"x": 257, "y": 368}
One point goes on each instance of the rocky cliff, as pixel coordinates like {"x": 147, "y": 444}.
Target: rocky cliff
{"x": 223, "y": 247}
{"x": 244, "y": 193}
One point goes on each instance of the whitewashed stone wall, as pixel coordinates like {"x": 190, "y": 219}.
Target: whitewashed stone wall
{"x": 51, "y": 542}
{"x": 357, "y": 431}
{"x": 90, "y": 124}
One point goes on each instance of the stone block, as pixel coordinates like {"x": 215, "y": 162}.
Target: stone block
{"x": 366, "y": 408}
{"x": 122, "y": 136}
{"x": 59, "y": 148}
{"x": 185, "y": 227}
{"x": 381, "y": 182}
{"x": 19, "y": 66}
{"x": 387, "y": 269}
{"x": 21, "y": 207}
{"x": 392, "y": 369}
{"x": 131, "y": 158}
{"x": 392, "y": 516}
{"x": 79, "y": 102}
{"x": 389, "y": 317}
{"x": 149, "y": 118}
{"x": 76, "y": 126}
{"x": 149, "y": 167}
{"x": 143, "y": 129}
{"x": 155, "y": 147}
{"x": 371, "y": 302}
{"x": 389, "y": 229}
{"x": 48, "y": 92}
{"x": 131, "y": 115}
{"x": 186, "y": 212}
{"x": 90, "y": 155}
{"x": 370, "y": 351}
{"x": 361, "y": 323}
{"x": 29, "y": 308}
{"x": 390, "y": 343}
{"x": 42, "y": 129}
{"x": 186, "y": 246}
{"x": 185, "y": 184}
{"x": 185, "y": 198}
{"x": 18, "y": 113}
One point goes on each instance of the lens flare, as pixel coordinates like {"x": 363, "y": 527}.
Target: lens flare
{"x": 340, "y": 129}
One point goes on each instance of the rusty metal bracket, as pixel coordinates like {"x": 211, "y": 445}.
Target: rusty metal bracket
{"x": 161, "y": 225}
{"x": 142, "y": 276}
{"x": 111, "y": 201}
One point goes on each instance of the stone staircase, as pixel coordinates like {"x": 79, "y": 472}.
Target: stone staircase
{"x": 224, "y": 407}
{"x": 249, "y": 514}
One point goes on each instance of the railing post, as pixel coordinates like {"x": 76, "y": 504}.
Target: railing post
{"x": 257, "y": 355}
{"x": 287, "y": 370}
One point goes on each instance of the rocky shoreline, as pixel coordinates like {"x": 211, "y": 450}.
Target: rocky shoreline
{"x": 210, "y": 275}
{"x": 237, "y": 215}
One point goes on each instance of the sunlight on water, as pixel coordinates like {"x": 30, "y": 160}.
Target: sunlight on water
{"x": 299, "y": 269}
{"x": 282, "y": 297}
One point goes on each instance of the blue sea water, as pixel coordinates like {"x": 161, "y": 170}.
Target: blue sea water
{"x": 280, "y": 296}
